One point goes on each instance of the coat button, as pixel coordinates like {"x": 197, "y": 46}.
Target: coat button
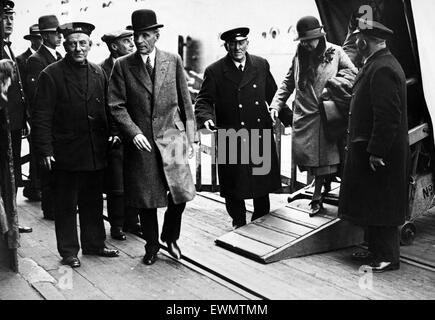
{"x": 255, "y": 86}
{"x": 346, "y": 148}
{"x": 258, "y": 120}
{"x": 240, "y": 106}
{"x": 257, "y": 103}
{"x": 347, "y": 131}
{"x": 242, "y": 123}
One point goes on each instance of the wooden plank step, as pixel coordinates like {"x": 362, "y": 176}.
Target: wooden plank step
{"x": 248, "y": 246}
{"x": 283, "y": 225}
{"x": 300, "y": 217}
{"x": 261, "y": 233}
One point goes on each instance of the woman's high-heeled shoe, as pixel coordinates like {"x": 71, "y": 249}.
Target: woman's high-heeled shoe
{"x": 316, "y": 207}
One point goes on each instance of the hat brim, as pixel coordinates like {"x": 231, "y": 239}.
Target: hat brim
{"x": 48, "y": 30}
{"x": 154, "y": 26}
{"x": 32, "y": 36}
{"x": 314, "y": 36}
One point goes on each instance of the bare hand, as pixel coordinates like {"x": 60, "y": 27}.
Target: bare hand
{"x": 210, "y": 126}
{"x": 375, "y": 161}
{"x": 47, "y": 162}
{"x": 142, "y": 143}
{"x": 274, "y": 115}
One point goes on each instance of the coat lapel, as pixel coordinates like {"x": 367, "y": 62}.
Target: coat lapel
{"x": 92, "y": 81}
{"x": 137, "y": 68}
{"x": 47, "y": 55}
{"x": 249, "y": 73}
{"x": 160, "y": 70}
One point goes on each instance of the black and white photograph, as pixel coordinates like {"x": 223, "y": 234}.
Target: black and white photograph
{"x": 214, "y": 156}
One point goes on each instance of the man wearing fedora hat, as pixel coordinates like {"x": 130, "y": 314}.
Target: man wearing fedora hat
{"x": 234, "y": 96}
{"x": 150, "y": 103}
{"x": 315, "y": 63}
{"x": 37, "y": 62}
{"x": 16, "y": 104}
{"x": 119, "y": 43}
{"x": 374, "y": 189}
{"x": 32, "y": 190}
{"x": 70, "y": 134}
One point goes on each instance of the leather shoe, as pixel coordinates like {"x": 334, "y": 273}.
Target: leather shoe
{"x": 316, "y": 207}
{"x": 117, "y": 233}
{"x": 382, "y": 266}
{"x": 150, "y": 257}
{"x": 103, "y": 252}
{"x": 32, "y": 194}
{"x": 362, "y": 256}
{"x": 135, "y": 229}
{"x": 174, "y": 250}
{"x": 71, "y": 261}
{"x": 22, "y": 229}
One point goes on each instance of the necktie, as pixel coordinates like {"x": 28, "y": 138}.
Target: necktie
{"x": 240, "y": 67}
{"x": 149, "y": 67}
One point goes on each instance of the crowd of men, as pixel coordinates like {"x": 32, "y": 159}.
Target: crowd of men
{"x": 127, "y": 128}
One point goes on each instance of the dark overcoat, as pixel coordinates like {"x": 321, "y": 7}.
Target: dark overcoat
{"x": 236, "y": 100}
{"x": 37, "y": 62}
{"x": 107, "y": 65}
{"x": 162, "y": 111}
{"x": 378, "y": 125}
{"x": 22, "y": 66}
{"x": 68, "y": 124}
{"x": 16, "y": 103}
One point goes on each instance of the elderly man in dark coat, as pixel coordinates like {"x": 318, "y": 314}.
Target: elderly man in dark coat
{"x": 151, "y": 106}
{"x": 119, "y": 43}
{"x": 234, "y": 97}
{"x": 374, "y": 191}
{"x": 71, "y": 132}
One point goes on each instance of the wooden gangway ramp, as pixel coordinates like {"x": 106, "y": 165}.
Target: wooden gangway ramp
{"x": 290, "y": 232}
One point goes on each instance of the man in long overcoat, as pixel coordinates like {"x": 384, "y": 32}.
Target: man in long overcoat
{"x": 43, "y": 57}
{"x": 234, "y": 97}
{"x": 70, "y": 133}
{"x": 151, "y": 106}
{"x": 374, "y": 190}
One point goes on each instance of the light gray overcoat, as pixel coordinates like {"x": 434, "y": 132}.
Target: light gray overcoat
{"x": 309, "y": 144}
{"x": 162, "y": 111}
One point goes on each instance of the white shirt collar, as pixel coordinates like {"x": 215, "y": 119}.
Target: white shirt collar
{"x": 152, "y": 56}
{"x": 31, "y": 50}
{"x": 243, "y": 63}
{"x": 52, "y": 51}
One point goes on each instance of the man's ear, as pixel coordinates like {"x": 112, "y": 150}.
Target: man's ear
{"x": 90, "y": 43}
{"x": 226, "y": 46}
{"x": 65, "y": 46}
{"x": 113, "y": 46}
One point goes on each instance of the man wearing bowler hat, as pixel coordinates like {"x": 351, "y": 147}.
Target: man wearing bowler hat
{"x": 374, "y": 189}
{"x": 119, "y": 43}
{"x": 32, "y": 191}
{"x": 150, "y": 103}
{"x": 16, "y": 104}
{"x": 70, "y": 134}
{"x": 37, "y": 62}
{"x": 234, "y": 97}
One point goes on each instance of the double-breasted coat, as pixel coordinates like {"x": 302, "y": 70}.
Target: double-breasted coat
{"x": 69, "y": 124}
{"x": 239, "y": 100}
{"x": 378, "y": 125}
{"x": 22, "y": 66}
{"x": 162, "y": 111}
{"x": 310, "y": 146}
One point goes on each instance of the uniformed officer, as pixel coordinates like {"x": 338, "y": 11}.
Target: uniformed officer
{"x": 234, "y": 97}
{"x": 70, "y": 133}
{"x": 32, "y": 191}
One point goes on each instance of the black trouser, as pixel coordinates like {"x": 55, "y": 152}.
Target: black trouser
{"x": 237, "y": 210}
{"x": 16, "y": 155}
{"x": 34, "y": 169}
{"x": 47, "y": 193}
{"x": 82, "y": 190}
{"x": 171, "y": 225}
{"x": 384, "y": 243}
{"x": 119, "y": 215}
